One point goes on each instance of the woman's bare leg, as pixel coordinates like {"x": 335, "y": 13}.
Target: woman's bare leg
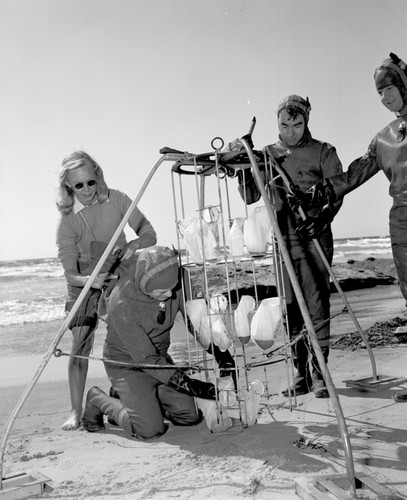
{"x": 82, "y": 343}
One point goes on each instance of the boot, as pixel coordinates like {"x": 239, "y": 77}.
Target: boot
{"x": 113, "y": 394}
{"x": 192, "y": 386}
{"x": 92, "y": 418}
{"x": 99, "y": 403}
{"x": 318, "y": 382}
{"x": 302, "y": 379}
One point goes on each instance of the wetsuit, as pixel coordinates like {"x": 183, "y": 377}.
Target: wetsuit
{"x": 306, "y": 163}
{"x": 136, "y": 334}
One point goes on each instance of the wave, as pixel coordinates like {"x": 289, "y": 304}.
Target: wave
{"x": 14, "y": 312}
{"x": 362, "y": 243}
{"x": 362, "y": 248}
{"x": 33, "y": 290}
{"x": 30, "y": 269}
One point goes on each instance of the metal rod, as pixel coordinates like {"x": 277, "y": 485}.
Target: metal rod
{"x": 333, "y": 278}
{"x": 346, "y": 302}
{"x": 308, "y": 323}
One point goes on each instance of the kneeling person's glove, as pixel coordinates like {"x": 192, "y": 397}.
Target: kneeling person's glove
{"x": 312, "y": 227}
{"x": 224, "y": 359}
{"x": 192, "y": 386}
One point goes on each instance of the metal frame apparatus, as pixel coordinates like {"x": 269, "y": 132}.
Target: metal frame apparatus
{"x": 198, "y": 171}
{"x": 224, "y": 162}
{"x": 218, "y": 167}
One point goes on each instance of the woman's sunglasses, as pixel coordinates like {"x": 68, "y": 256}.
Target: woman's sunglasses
{"x": 80, "y": 185}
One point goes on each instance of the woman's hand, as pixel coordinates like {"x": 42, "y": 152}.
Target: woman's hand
{"x": 100, "y": 280}
{"x": 76, "y": 279}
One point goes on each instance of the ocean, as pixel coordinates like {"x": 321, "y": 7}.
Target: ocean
{"x": 32, "y": 294}
{"x": 378, "y": 247}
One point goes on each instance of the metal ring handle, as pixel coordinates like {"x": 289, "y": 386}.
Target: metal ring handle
{"x": 213, "y": 143}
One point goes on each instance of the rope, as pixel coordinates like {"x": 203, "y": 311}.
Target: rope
{"x": 59, "y": 353}
{"x": 300, "y": 335}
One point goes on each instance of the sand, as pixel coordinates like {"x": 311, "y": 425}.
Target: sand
{"x": 262, "y": 461}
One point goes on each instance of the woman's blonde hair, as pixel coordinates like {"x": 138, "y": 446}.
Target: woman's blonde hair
{"x": 77, "y": 159}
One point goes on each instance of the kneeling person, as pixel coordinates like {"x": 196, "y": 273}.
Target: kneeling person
{"x": 141, "y": 311}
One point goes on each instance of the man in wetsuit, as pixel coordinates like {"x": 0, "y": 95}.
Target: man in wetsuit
{"x": 305, "y": 160}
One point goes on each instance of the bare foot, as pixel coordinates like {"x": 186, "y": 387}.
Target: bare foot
{"x": 72, "y": 422}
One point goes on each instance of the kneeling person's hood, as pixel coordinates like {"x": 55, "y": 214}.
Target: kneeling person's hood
{"x": 156, "y": 269}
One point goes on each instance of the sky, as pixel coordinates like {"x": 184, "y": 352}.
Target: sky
{"x": 120, "y": 79}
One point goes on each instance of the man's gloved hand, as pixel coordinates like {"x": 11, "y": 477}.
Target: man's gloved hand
{"x": 320, "y": 194}
{"x": 192, "y": 386}
{"x": 312, "y": 227}
{"x": 296, "y": 198}
{"x": 247, "y": 187}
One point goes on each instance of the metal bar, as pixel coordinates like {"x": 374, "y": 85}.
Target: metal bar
{"x": 345, "y": 300}
{"x": 308, "y": 323}
{"x": 333, "y": 278}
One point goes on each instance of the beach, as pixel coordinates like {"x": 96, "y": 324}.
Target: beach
{"x": 265, "y": 460}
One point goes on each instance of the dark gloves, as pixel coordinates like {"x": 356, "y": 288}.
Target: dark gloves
{"x": 312, "y": 227}
{"x": 226, "y": 363}
{"x": 296, "y": 198}
{"x": 224, "y": 359}
{"x": 192, "y": 386}
{"x": 320, "y": 194}
{"x": 247, "y": 188}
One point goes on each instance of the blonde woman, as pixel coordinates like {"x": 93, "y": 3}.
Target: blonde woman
{"x": 90, "y": 214}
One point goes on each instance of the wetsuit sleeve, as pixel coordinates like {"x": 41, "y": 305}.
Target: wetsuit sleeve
{"x": 359, "y": 171}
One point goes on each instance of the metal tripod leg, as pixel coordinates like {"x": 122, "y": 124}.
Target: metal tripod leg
{"x": 308, "y": 324}
{"x": 374, "y": 383}
{"x": 277, "y": 261}
{"x": 72, "y": 312}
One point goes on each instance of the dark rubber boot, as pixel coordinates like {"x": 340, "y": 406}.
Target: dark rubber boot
{"x": 302, "y": 379}
{"x": 92, "y": 418}
{"x": 113, "y": 394}
{"x": 99, "y": 403}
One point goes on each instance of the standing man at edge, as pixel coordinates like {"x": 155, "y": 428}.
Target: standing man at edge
{"x": 305, "y": 161}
